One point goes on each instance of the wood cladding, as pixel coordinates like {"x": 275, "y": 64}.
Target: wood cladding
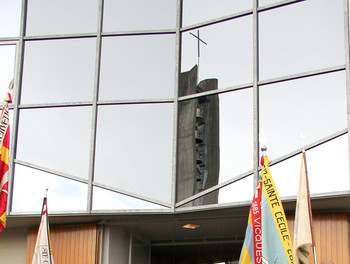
{"x": 78, "y": 244}
{"x": 331, "y": 235}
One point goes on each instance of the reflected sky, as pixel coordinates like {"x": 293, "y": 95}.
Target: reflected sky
{"x": 10, "y": 14}
{"x": 327, "y": 166}
{"x": 267, "y": 2}
{"x": 59, "y": 71}
{"x": 53, "y": 138}
{"x": 228, "y": 55}
{"x": 197, "y": 11}
{"x": 134, "y": 149}
{"x": 107, "y": 200}
{"x": 236, "y": 133}
{"x": 137, "y": 67}
{"x": 121, "y": 15}
{"x": 7, "y": 62}
{"x": 237, "y": 191}
{"x": 61, "y": 17}
{"x": 314, "y": 107}
{"x": 63, "y": 194}
{"x": 309, "y": 35}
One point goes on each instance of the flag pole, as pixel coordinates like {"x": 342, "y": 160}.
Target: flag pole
{"x": 48, "y": 228}
{"x": 310, "y": 210}
{"x": 302, "y": 138}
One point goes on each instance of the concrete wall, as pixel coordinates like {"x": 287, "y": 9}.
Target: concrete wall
{"x": 13, "y": 244}
{"x": 116, "y": 245}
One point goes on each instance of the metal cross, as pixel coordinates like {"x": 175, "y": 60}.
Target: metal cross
{"x": 198, "y": 44}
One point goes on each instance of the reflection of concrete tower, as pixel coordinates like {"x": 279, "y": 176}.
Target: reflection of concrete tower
{"x": 198, "y": 145}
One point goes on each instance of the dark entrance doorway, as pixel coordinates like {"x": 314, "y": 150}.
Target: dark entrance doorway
{"x": 207, "y": 253}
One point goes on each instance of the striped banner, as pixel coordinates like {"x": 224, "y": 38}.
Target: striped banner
{"x": 252, "y": 248}
{"x": 43, "y": 251}
{"x": 4, "y": 160}
{"x": 267, "y": 237}
{"x": 277, "y": 242}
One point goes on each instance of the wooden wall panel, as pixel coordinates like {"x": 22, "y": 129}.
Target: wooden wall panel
{"x": 331, "y": 234}
{"x": 70, "y": 244}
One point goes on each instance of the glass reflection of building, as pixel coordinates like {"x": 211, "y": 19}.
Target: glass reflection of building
{"x": 198, "y": 139}
{"x": 99, "y": 104}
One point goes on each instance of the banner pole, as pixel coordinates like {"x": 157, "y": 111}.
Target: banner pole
{"x": 315, "y": 259}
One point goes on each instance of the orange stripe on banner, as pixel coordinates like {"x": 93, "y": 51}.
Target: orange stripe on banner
{"x": 4, "y": 152}
{"x": 3, "y": 221}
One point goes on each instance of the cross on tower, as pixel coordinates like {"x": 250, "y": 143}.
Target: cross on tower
{"x": 199, "y": 40}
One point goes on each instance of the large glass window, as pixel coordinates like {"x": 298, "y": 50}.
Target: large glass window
{"x": 56, "y": 138}
{"x": 58, "y": 71}
{"x": 10, "y": 14}
{"x": 139, "y": 15}
{"x": 153, "y": 110}
{"x": 134, "y": 149}
{"x": 7, "y": 55}
{"x": 108, "y": 200}
{"x": 137, "y": 67}
{"x": 63, "y": 194}
{"x": 61, "y": 17}
{"x": 197, "y": 11}
{"x": 227, "y": 54}
{"x": 237, "y": 192}
{"x": 215, "y": 140}
{"x": 327, "y": 161}
{"x": 308, "y": 36}
{"x": 313, "y": 108}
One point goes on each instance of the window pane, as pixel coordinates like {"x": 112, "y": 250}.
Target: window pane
{"x": 267, "y": 2}
{"x": 134, "y": 149}
{"x": 136, "y": 67}
{"x": 61, "y": 17}
{"x": 196, "y": 11}
{"x": 333, "y": 174}
{"x": 228, "y": 55}
{"x": 314, "y": 107}
{"x": 286, "y": 175}
{"x": 63, "y": 194}
{"x": 53, "y": 138}
{"x": 10, "y": 15}
{"x": 107, "y": 200}
{"x": 139, "y": 15}
{"x": 215, "y": 141}
{"x": 236, "y": 133}
{"x": 58, "y": 71}
{"x": 7, "y": 55}
{"x": 308, "y": 36}
{"x": 237, "y": 192}
{"x": 327, "y": 166}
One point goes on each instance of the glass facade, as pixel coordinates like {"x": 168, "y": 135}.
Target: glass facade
{"x": 158, "y": 105}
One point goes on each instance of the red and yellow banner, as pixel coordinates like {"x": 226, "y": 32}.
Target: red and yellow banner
{"x": 4, "y": 161}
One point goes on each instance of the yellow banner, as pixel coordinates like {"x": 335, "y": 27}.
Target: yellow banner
{"x": 277, "y": 211}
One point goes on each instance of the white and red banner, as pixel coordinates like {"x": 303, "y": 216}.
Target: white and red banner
{"x": 42, "y": 250}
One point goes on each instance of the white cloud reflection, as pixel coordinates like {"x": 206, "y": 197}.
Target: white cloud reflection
{"x": 30, "y": 188}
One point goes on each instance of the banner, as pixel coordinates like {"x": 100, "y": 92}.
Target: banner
{"x": 267, "y": 237}
{"x": 303, "y": 218}
{"x": 252, "y": 247}
{"x": 4, "y": 160}
{"x": 42, "y": 250}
